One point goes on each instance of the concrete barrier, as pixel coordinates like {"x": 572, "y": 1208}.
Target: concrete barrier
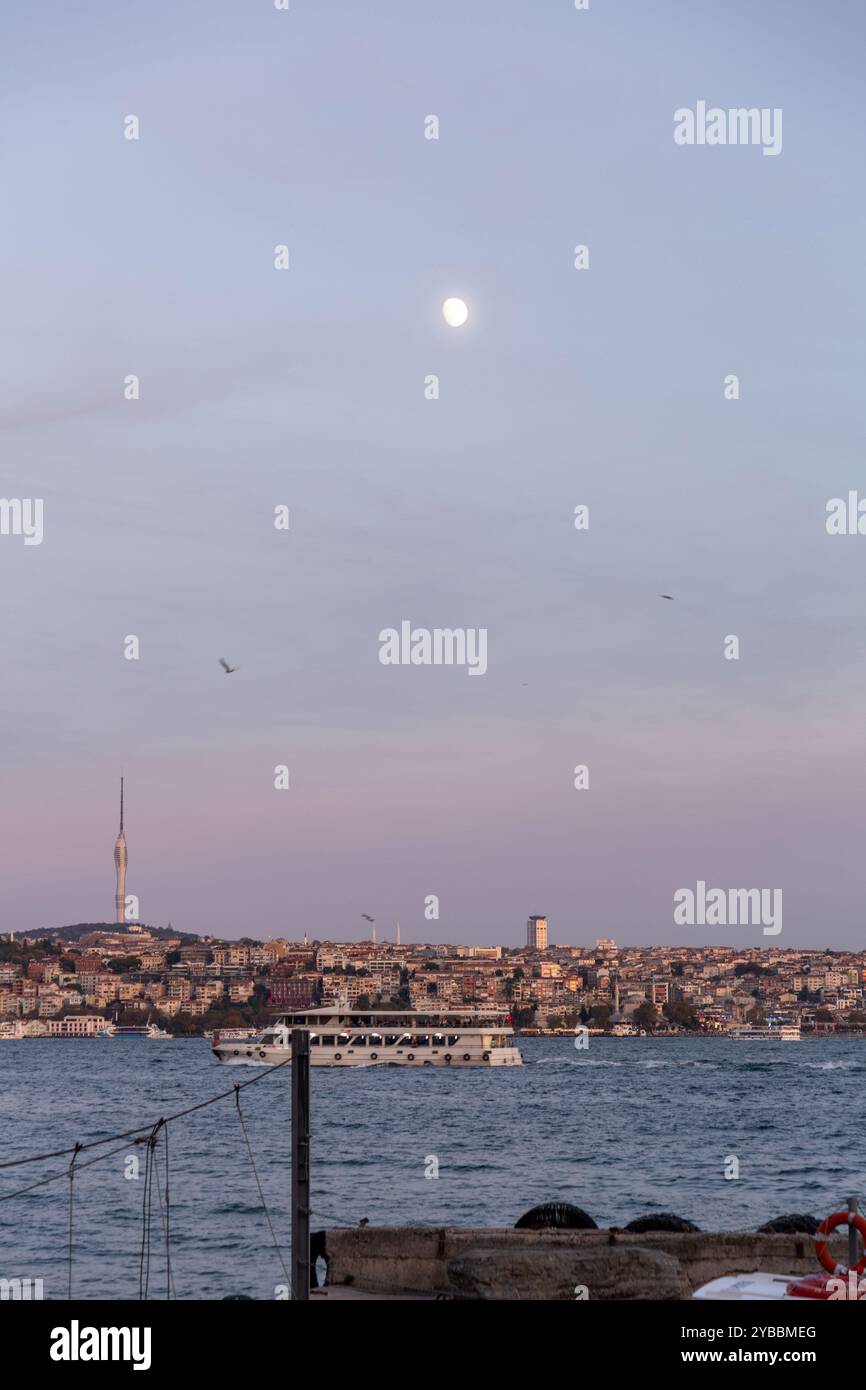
{"x": 467, "y": 1262}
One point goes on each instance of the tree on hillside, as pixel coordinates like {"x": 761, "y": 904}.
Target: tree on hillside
{"x": 119, "y": 964}
{"x": 680, "y": 1014}
{"x": 646, "y": 1016}
{"x": 524, "y": 1016}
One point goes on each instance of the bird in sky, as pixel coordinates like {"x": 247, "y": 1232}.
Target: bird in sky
{"x": 670, "y": 596}
{"x": 228, "y": 669}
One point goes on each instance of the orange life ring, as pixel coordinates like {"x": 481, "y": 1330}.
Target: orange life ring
{"x": 839, "y": 1218}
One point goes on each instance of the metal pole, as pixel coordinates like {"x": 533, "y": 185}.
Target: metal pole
{"x": 300, "y": 1165}
{"x": 852, "y": 1233}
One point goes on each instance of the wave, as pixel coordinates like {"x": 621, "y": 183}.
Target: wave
{"x": 833, "y": 1066}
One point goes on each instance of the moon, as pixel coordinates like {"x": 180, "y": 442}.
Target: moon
{"x": 455, "y": 312}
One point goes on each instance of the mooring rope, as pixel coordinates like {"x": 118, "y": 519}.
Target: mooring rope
{"x": 164, "y": 1213}
{"x": 259, "y": 1186}
{"x": 71, "y": 1176}
{"x": 64, "y": 1173}
{"x": 131, "y": 1133}
{"x": 151, "y": 1177}
{"x": 146, "y": 1212}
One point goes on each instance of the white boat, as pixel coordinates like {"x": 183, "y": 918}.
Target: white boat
{"x": 158, "y": 1034}
{"x": 749, "y": 1288}
{"x": 344, "y": 1037}
{"x": 788, "y": 1032}
{"x": 134, "y": 1030}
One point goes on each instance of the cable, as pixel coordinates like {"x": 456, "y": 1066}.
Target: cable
{"x": 337, "y": 1220}
{"x": 259, "y": 1186}
{"x": 55, "y": 1177}
{"x": 146, "y": 1216}
{"x": 71, "y": 1176}
{"x": 129, "y": 1133}
{"x": 150, "y": 1138}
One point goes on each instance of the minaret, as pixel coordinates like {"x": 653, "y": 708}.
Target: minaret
{"x": 398, "y": 933}
{"x": 120, "y": 865}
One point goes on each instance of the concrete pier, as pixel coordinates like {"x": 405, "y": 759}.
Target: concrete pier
{"x": 503, "y": 1263}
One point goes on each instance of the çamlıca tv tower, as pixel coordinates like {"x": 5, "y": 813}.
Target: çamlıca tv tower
{"x": 120, "y": 865}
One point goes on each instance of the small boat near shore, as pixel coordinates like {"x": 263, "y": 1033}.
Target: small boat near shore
{"x": 343, "y": 1037}
{"x": 840, "y": 1283}
{"x": 135, "y": 1030}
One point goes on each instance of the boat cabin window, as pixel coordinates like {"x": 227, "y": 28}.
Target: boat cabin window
{"x": 342, "y": 1039}
{"x": 453, "y": 1039}
{"x": 438, "y": 1039}
{"x": 360, "y": 1040}
{"x": 421, "y": 1040}
{"x": 375, "y": 1039}
{"x": 328, "y": 1040}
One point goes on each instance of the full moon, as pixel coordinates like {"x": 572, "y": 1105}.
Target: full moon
{"x": 455, "y": 312}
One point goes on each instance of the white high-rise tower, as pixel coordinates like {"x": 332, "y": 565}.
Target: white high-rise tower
{"x": 536, "y": 933}
{"x": 120, "y": 865}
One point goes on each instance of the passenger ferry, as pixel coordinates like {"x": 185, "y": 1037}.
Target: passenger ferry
{"x": 789, "y": 1032}
{"x": 135, "y": 1030}
{"x": 344, "y": 1037}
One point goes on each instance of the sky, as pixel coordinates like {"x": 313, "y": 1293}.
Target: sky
{"x": 304, "y": 387}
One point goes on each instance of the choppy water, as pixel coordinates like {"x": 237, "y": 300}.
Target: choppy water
{"x": 627, "y": 1127}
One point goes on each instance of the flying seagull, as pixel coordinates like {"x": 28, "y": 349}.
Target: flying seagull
{"x": 670, "y": 596}
{"x": 228, "y": 669}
